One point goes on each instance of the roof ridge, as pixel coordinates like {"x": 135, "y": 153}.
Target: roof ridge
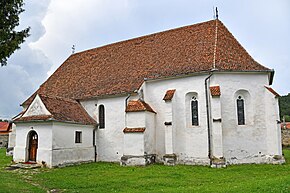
{"x": 240, "y": 45}
{"x": 215, "y": 42}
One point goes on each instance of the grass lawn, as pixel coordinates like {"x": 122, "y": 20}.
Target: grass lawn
{"x": 110, "y": 177}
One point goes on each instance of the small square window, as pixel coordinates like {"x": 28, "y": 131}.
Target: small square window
{"x": 78, "y": 137}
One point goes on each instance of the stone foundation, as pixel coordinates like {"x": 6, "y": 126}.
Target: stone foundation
{"x": 257, "y": 159}
{"x": 169, "y": 159}
{"x": 4, "y": 140}
{"x": 131, "y": 160}
{"x": 9, "y": 151}
{"x": 285, "y": 137}
{"x": 218, "y": 162}
{"x": 194, "y": 161}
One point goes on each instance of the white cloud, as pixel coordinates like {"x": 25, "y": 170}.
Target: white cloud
{"x": 27, "y": 68}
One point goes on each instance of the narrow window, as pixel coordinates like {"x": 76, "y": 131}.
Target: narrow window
{"x": 194, "y": 111}
{"x": 102, "y": 116}
{"x": 78, "y": 137}
{"x": 241, "y": 111}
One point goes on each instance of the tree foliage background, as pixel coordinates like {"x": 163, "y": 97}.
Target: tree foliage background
{"x": 284, "y": 105}
{"x": 10, "y": 39}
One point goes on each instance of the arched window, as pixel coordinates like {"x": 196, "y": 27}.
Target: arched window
{"x": 101, "y": 116}
{"x": 241, "y": 110}
{"x": 194, "y": 111}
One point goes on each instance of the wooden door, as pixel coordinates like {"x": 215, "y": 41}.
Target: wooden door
{"x": 33, "y": 144}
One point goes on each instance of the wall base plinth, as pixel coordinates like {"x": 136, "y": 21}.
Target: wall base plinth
{"x": 257, "y": 159}
{"x": 132, "y": 160}
{"x": 169, "y": 159}
{"x": 218, "y": 162}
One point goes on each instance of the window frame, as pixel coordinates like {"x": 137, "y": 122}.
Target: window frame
{"x": 240, "y": 102}
{"x": 102, "y": 118}
{"x": 78, "y": 136}
{"x": 194, "y": 111}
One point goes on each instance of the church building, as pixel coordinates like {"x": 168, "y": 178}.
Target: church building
{"x": 190, "y": 95}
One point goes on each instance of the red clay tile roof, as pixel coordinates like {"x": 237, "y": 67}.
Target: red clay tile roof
{"x": 215, "y": 90}
{"x": 65, "y": 110}
{"x": 169, "y": 95}
{"x": 285, "y": 126}
{"x": 121, "y": 67}
{"x": 134, "y": 130}
{"x": 138, "y": 105}
{"x": 5, "y": 127}
{"x": 272, "y": 91}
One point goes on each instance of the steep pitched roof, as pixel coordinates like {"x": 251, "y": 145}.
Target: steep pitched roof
{"x": 121, "y": 67}
{"x": 65, "y": 110}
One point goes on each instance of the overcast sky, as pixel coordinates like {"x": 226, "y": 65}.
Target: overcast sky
{"x": 261, "y": 26}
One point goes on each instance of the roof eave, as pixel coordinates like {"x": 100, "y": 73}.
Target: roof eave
{"x": 54, "y": 120}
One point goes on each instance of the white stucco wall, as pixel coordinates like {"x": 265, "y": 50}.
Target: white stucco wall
{"x": 274, "y": 144}
{"x": 64, "y": 148}
{"x": 243, "y": 143}
{"x": 56, "y": 143}
{"x": 134, "y": 144}
{"x": 110, "y": 139}
{"x": 190, "y": 142}
{"x": 150, "y": 134}
{"x": 136, "y": 119}
{"x": 12, "y": 137}
{"x": 168, "y": 132}
{"x": 216, "y": 127}
{"x": 44, "y": 132}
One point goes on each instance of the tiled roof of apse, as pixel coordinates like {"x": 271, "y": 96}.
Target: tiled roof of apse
{"x": 121, "y": 67}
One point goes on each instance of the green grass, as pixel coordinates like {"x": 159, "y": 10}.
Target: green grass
{"x": 110, "y": 177}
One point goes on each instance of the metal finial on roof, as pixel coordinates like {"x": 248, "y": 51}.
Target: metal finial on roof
{"x": 73, "y": 49}
{"x": 216, "y": 13}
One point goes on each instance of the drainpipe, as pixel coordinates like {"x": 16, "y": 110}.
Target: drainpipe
{"x": 126, "y": 103}
{"x": 94, "y": 141}
{"x": 207, "y": 114}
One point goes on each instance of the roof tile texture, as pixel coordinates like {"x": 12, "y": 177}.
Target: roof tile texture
{"x": 134, "y": 130}
{"x": 215, "y": 90}
{"x": 138, "y": 105}
{"x": 169, "y": 95}
{"x": 5, "y": 127}
{"x": 121, "y": 67}
{"x": 285, "y": 125}
{"x": 66, "y": 110}
{"x": 272, "y": 91}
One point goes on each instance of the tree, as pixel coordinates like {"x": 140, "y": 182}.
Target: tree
{"x": 284, "y": 104}
{"x": 10, "y": 39}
